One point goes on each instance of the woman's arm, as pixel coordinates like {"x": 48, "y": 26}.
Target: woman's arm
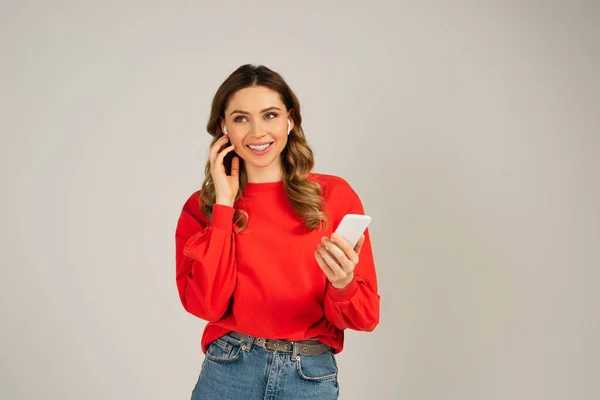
{"x": 206, "y": 269}
{"x": 355, "y": 306}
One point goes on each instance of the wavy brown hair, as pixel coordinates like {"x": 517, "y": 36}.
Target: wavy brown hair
{"x": 296, "y": 158}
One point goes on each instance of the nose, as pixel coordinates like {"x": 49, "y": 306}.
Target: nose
{"x": 257, "y": 129}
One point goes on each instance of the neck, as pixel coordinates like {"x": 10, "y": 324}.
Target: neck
{"x": 269, "y": 173}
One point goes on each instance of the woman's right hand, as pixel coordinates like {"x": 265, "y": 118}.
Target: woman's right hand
{"x": 226, "y": 186}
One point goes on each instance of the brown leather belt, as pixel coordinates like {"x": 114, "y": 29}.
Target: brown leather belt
{"x": 310, "y": 347}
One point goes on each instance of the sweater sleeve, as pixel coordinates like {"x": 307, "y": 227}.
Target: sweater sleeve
{"x": 355, "y": 306}
{"x": 206, "y": 269}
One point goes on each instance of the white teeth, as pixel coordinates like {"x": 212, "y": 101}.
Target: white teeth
{"x": 264, "y": 146}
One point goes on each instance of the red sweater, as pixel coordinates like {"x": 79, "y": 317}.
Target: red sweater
{"x": 265, "y": 281}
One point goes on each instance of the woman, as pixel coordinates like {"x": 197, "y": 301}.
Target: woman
{"x": 254, "y": 253}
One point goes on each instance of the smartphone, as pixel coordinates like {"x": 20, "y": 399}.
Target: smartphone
{"x": 352, "y": 227}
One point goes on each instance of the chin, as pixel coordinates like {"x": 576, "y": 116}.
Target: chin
{"x": 262, "y": 163}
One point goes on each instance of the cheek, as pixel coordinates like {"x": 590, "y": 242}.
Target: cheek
{"x": 236, "y": 140}
{"x": 281, "y": 134}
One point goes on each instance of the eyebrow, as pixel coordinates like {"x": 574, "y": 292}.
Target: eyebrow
{"x": 262, "y": 111}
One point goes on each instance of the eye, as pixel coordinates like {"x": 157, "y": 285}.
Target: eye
{"x": 274, "y": 115}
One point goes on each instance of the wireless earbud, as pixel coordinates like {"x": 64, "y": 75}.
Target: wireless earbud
{"x": 225, "y": 130}
{"x": 289, "y": 127}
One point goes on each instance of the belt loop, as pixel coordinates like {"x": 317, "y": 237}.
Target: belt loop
{"x": 294, "y": 350}
{"x": 249, "y": 341}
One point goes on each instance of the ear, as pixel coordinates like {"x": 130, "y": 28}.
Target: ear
{"x": 291, "y": 119}
{"x": 223, "y": 128}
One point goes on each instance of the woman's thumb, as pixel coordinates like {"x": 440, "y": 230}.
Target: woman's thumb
{"x": 235, "y": 166}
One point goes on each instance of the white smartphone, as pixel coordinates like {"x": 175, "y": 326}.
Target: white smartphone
{"x": 352, "y": 226}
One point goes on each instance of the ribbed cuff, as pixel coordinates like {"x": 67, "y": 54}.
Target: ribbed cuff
{"x": 222, "y": 217}
{"x": 344, "y": 293}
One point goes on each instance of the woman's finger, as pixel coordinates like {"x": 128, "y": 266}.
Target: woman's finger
{"x": 344, "y": 255}
{"x": 333, "y": 264}
{"x": 222, "y": 154}
{"x": 215, "y": 149}
{"x": 235, "y": 167}
{"x": 359, "y": 246}
{"x": 323, "y": 264}
{"x": 343, "y": 244}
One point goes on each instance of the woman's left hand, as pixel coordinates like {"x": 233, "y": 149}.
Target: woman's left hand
{"x": 339, "y": 262}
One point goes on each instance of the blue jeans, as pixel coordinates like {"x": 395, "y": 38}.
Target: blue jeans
{"x": 235, "y": 369}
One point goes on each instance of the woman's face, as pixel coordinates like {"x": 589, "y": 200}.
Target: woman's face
{"x": 256, "y": 116}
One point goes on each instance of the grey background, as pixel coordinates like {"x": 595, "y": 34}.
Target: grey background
{"x": 469, "y": 129}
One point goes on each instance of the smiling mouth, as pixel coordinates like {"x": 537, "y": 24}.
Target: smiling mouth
{"x": 260, "y": 147}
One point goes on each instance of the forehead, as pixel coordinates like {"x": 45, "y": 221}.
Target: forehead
{"x": 254, "y": 99}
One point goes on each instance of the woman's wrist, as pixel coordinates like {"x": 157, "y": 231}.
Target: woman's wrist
{"x": 224, "y": 202}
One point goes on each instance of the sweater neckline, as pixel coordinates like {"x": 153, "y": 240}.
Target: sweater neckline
{"x": 253, "y": 187}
